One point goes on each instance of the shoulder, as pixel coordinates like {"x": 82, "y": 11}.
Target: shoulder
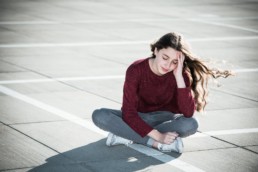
{"x": 137, "y": 65}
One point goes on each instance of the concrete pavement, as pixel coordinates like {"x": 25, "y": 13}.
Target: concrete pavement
{"x": 60, "y": 60}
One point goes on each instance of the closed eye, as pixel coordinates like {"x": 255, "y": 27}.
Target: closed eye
{"x": 165, "y": 57}
{"x": 174, "y": 61}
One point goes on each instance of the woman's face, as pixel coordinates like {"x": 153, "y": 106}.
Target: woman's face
{"x": 166, "y": 60}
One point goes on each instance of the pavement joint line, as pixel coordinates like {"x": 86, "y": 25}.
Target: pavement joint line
{"x": 107, "y": 77}
{"x": 60, "y": 153}
{"x": 62, "y": 82}
{"x": 242, "y": 147}
{"x": 111, "y": 43}
{"x": 47, "y": 22}
{"x": 234, "y": 94}
{"x": 35, "y": 122}
{"x": 225, "y": 25}
{"x": 89, "y": 125}
{"x": 213, "y": 134}
{"x": 224, "y": 132}
{"x": 30, "y": 137}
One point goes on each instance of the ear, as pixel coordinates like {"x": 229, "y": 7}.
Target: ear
{"x": 155, "y": 51}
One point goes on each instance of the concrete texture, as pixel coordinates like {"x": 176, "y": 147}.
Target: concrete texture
{"x": 55, "y": 55}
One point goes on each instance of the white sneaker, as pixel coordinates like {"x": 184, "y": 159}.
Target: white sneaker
{"x": 116, "y": 140}
{"x": 176, "y": 146}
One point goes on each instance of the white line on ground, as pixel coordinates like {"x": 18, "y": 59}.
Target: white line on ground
{"x": 225, "y": 132}
{"x": 126, "y": 20}
{"x": 63, "y": 79}
{"x": 89, "y": 125}
{"x": 72, "y": 44}
{"x": 84, "y": 44}
{"x": 89, "y": 21}
{"x": 225, "y": 25}
{"x": 92, "y": 78}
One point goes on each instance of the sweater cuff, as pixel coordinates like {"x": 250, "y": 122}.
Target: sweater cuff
{"x": 145, "y": 131}
{"x": 184, "y": 91}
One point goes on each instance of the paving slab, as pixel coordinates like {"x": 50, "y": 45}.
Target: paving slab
{"x": 124, "y": 54}
{"x": 247, "y": 139}
{"x": 242, "y": 85}
{"x": 110, "y": 88}
{"x": 60, "y": 66}
{"x": 65, "y": 137}
{"x": 230, "y": 159}
{"x": 8, "y": 36}
{"x": 252, "y": 148}
{"x": 220, "y": 100}
{"x": 16, "y": 111}
{"x": 234, "y": 59}
{"x": 20, "y": 52}
{"x": 204, "y": 143}
{"x": 37, "y": 140}
{"x": 15, "y": 152}
{"x": 228, "y": 119}
{"x": 8, "y": 68}
{"x": 78, "y": 103}
{"x": 40, "y": 87}
{"x": 82, "y": 150}
{"x": 53, "y": 34}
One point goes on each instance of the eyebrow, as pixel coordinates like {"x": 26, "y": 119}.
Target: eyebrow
{"x": 166, "y": 55}
{"x": 169, "y": 57}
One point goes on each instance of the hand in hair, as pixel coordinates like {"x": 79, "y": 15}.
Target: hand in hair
{"x": 178, "y": 71}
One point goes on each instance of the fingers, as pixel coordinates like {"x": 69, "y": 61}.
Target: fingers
{"x": 174, "y": 134}
{"x": 181, "y": 57}
{"x": 170, "y": 137}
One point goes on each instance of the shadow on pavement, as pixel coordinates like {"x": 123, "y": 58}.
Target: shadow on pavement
{"x": 98, "y": 157}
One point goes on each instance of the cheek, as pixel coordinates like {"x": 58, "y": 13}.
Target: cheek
{"x": 161, "y": 62}
{"x": 172, "y": 67}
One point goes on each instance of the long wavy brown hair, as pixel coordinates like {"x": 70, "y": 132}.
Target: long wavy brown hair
{"x": 198, "y": 72}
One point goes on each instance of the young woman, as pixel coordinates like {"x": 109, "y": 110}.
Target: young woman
{"x": 160, "y": 96}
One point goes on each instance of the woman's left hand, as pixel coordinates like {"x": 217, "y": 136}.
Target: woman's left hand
{"x": 178, "y": 71}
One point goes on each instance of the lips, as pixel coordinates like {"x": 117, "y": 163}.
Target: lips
{"x": 164, "y": 69}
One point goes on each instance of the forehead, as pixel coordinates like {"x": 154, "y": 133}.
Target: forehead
{"x": 170, "y": 52}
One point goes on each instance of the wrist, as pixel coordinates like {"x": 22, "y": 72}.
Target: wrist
{"x": 180, "y": 81}
{"x": 155, "y": 134}
{"x": 179, "y": 76}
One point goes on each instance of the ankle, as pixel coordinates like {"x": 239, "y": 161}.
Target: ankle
{"x": 155, "y": 144}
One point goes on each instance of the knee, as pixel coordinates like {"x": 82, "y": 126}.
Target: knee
{"x": 193, "y": 124}
{"x": 97, "y": 116}
{"x": 189, "y": 127}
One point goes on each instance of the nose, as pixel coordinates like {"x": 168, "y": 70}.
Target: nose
{"x": 167, "y": 65}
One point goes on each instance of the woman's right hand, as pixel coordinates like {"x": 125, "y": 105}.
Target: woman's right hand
{"x": 167, "y": 138}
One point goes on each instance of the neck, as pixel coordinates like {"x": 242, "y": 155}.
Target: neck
{"x": 153, "y": 66}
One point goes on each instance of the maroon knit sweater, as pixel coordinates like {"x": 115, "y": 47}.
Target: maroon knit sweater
{"x": 145, "y": 92}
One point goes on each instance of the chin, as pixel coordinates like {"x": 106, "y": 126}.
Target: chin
{"x": 161, "y": 72}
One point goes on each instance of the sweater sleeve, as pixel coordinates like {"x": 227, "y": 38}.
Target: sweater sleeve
{"x": 130, "y": 102}
{"x": 186, "y": 102}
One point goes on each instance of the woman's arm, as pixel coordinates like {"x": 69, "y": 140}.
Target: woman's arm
{"x": 185, "y": 100}
{"x": 130, "y": 102}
